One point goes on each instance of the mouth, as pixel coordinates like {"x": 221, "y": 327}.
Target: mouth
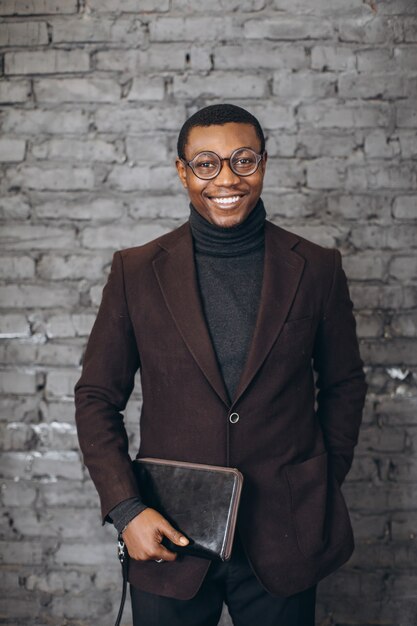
{"x": 226, "y": 201}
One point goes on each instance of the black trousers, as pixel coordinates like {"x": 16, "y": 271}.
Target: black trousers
{"x": 235, "y": 584}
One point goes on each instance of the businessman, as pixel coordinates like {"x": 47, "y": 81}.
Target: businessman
{"x": 246, "y": 344}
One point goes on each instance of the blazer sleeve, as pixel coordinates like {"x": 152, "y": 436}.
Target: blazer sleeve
{"x": 341, "y": 379}
{"x": 110, "y": 363}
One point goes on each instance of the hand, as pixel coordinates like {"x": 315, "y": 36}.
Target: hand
{"x": 144, "y": 534}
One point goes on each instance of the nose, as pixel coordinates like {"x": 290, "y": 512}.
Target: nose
{"x": 226, "y": 177}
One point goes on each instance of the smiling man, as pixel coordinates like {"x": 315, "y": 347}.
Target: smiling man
{"x": 230, "y": 319}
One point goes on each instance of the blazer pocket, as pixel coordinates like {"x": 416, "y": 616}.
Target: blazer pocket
{"x": 308, "y": 492}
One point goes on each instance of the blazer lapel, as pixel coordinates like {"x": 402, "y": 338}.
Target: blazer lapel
{"x": 176, "y": 274}
{"x": 282, "y": 273}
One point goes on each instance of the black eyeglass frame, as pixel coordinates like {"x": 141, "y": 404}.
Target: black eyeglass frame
{"x": 258, "y": 156}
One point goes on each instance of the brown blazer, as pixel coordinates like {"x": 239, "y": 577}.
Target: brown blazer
{"x": 294, "y": 452}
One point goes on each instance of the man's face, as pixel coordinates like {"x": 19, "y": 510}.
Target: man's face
{"x": 208, "y": 196}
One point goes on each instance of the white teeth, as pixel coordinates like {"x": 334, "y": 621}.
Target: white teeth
{"x": 225, "y": 201}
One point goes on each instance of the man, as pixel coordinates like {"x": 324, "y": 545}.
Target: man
{"x": 228, "y": 317}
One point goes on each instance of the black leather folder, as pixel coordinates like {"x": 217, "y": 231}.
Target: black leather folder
{"x": 199, "y": 500}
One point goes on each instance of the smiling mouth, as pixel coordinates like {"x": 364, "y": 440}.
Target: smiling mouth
{"x": 226, "y": 200}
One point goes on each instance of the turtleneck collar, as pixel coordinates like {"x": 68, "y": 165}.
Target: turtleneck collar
{"x": 236, "y": 240}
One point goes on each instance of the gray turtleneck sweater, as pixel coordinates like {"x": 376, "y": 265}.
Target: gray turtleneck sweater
{"x": 229, "y": 263}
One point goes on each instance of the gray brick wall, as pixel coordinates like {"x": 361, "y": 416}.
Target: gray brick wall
{"x": 92, "y": 94}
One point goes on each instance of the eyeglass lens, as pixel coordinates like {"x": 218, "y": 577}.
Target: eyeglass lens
{"x": 208, "y": 164}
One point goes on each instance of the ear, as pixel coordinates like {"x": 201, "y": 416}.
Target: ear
{"x": 182, "y": 171}
{"x": 264, "y": 160}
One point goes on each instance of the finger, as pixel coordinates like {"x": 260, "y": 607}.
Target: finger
{"x": 174, "y": 535}
{"x": 164, "y": 554}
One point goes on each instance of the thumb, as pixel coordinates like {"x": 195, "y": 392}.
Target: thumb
{"x": 173, "y": 535}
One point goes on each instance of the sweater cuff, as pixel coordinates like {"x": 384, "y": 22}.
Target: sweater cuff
{"x": 125, "y": 511}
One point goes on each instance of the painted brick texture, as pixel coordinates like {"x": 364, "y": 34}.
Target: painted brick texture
{"x": 92, "y": 95}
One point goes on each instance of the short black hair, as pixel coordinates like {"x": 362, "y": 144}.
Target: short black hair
{"x": 218, "y": 114}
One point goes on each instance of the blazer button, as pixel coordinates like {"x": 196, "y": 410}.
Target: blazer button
{"x": 234, "y": 417}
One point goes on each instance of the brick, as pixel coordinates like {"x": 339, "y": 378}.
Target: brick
{"x": 12, "y": 493}
{"x": 14, "y": 91}
{"x": 152, "y": 88}
{"x": 332, "y": 58}
{"x": 398, "y": 7}
{"x": 142, "y": 178}
{"x": 56, "y": 436}
{"x": 410, "y": 29}
{"x": 380, "y": 145}
{"x": 24, "y": 408}
{"x": 354, "y": 85}
{"x": 381, "y": 176}
{"x": 40, "y": 352}
{"x": 58, "y": 582}
{"x": 367, "y": 296}
{"x": 46, "y": 62}
{"x": 326, "y": 173}
{"x": 61, "y": 382}
{"x": 405, "y": 207}
{"x": 288, "y": 28}
{"x": 114, "y": 237}
{"x": 57, "y": 410}
{"x": 172, "y": 207}
{"x": 365, "y": 266}
{"x": 405, "y": 57}
{"x": 53, "y": 465}
{"x": 129, "y": 6}
{"x": 281, "y": 144}
{"x": 87, "y": 30}
{"x": 158, "y": 57}
{"x": 292, "y": 204}
{"x": 22, "y": 296}
{"x": 74, "y": 494}
{"x": 12, "y": 150}
{"x": 35, "y": 237}
{"x": 18, "y": 382}
{"x": 81, "y": 208}
{"x": 394, "y": 352}
{"x": 369, "y": 325}
{"x": 17, "y": 267}
{"x": 40, "y": 7}
{"x": 77, "y": 90}
{"x": 52, "y": 267}
{"x": 23, "y": 34}
{"x": 218, "y": 5}
{"x": 79, "y": 150}
{"x": 260, "y": 55}
{"x": 374, "y": 208}
{"x": 13, "y": 325}
{"x": 53, "y": 178}
{"x": 396, "y": 237}
{"x": 404, "y": 325}
{"x": 406, "y": 115}
{"x": 21, "y": 552}
{"x": 273, "y": 116}
{"x": 126, "y": 120}
{"x": 332, "y": 114}
{"x": 187, "y": 29}
{"x": 408, "y": 143}
{"x": 303, "y": 85}
{"x": 323, "y": 236}
{"x": 284, "y": 173}
{"x": 72, "y": 553}
{"x": 319, "y": 7}
{"x": 36, "y": 122}
{"x": 15, "y": 436}
{"x": 397, "y": 410}
{"x": 220, "y": 85}
{"x": 147, "y": 148}
{"x": 368, "y": 29}
{"x": 404, "y": 268}
{"x": 325, "y": 143}
{"x": 66, "y": 325}
{"x": 375, "y": 60}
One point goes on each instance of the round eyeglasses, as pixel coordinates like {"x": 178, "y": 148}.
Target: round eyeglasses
{"x": 207, "y": 165}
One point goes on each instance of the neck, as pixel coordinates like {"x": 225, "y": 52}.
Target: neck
{"x": 236, "y": 240}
